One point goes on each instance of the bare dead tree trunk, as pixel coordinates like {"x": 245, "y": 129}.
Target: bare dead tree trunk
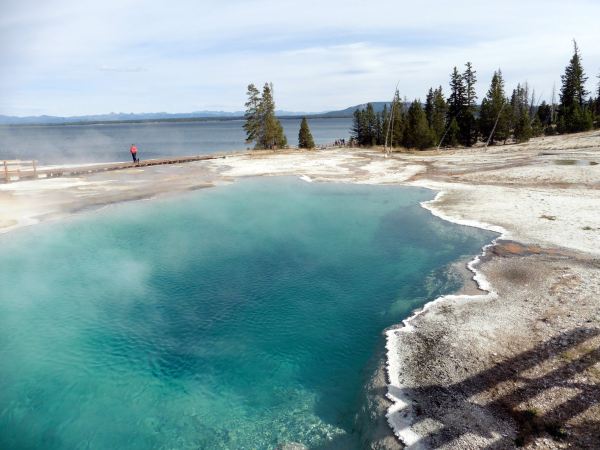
{"x": 444, "y": 135}
{"x": 390, "y": 121}
{"x": 534, "y": 107}
{"x": 495, "y": 125}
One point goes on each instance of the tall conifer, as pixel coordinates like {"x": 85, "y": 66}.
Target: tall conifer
{"x": 365, "y": 126}
{"x": 466, "y": 121}
{"x": 456, "y": 100}
{"x": 357, "y": 130}
{"x": 429, "y": 106}
{"x": 397, "y": 121}
{"x": 544, "y": 113}
{"x": 494, "y": 115}
{"x": 417, "y": 134}
{"x": 378, "y": 129}
{"x": 262, "y": 127}
{"x": 461, "y": 106}
{"x": 436, "y": 110}
{"x": 272, "y": 135}
{"x": 305, "y": 139}
{"x": 371, "y": 122}
{"x": 573, "y": 113}
{"x": 252, "y": 124}
{"x": 452, "y": 134}
{"x": 520, "y": 113}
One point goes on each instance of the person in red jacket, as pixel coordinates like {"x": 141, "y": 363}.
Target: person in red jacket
{"x": 133, "y": 151}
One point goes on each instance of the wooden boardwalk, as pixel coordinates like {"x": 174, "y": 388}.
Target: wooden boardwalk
{"x": 28, "y": 170}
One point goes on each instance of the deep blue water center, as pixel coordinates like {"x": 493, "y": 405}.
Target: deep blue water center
{"x": 236, "y": 317}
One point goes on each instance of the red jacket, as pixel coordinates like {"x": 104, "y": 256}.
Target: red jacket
{"x": 133, "y": 149}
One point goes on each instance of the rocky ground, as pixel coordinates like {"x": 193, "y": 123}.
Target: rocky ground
{"x": 516, "y": 367}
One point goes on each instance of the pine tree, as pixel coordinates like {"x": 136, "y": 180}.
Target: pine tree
{"x": 282, "y": 138}
{"x": 544, "y": 113}
{"x": 537, "y": 129}
{"x": 452, "y": 134}
{"x": 547, "y": 114}
{"x": 440, "y": 110}
{"x": 371, "y": 122}
{"x": 466, "y": 121}
{"x": 305, "y": 139}
{"x": 494, "y": 115}
{"x": 573, "y": 113}
{"x": 418, "y": 134}
{"x": 393, "y": 122}
{"x": 271, "y": 133}
{"x": 359, "y": 128}
{"x": 520, "y": 113}
{"x": 378, "y": 129}
{"x": 252, "y": 124}
{"x": 267, "y": 113}
{"x": 429, "y": 106}
{"x": 397, "y": 121}
{"x": 456, "y": 100}
{"x": 262, "y": 127}
{"x": 523, "y": 130}
{"x": 461, "y": 105}
{"x": 365, "y": 126}
{"x": 436, "y": 110}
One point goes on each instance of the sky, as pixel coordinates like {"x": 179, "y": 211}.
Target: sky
{"x": 67, "y": 57}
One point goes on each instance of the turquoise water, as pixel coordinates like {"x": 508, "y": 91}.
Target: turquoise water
{"x": 236, "y": 317}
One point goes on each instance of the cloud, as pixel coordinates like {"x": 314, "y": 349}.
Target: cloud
{"x": 104, "y": 68}
{"x": 70, "y": 57}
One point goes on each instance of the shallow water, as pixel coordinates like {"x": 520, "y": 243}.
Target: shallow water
{"x": 240, "y": 317}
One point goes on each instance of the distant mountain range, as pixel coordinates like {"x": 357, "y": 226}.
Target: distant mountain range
{"x": 348, "y": 112}
{"x": 177, "y": 117}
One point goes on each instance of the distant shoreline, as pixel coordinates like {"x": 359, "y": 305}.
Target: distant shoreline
{"x": 167, "y": 120}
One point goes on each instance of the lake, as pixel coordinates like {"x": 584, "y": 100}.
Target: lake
{"x": 237, "y": 317}
{"x": 67, "y": 144}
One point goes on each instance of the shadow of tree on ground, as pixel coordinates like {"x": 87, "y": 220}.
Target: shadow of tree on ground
{"x": 506, "y": 387}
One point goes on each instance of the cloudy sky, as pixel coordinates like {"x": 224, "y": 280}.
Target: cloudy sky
{"x": 71, "y": 57}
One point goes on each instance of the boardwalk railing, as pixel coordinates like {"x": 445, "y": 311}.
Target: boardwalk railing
{"x": 13, "y": 170}
{"x": 22, "y": 170}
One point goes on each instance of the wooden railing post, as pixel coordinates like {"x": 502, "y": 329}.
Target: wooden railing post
{"x": 6, "y": 172}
